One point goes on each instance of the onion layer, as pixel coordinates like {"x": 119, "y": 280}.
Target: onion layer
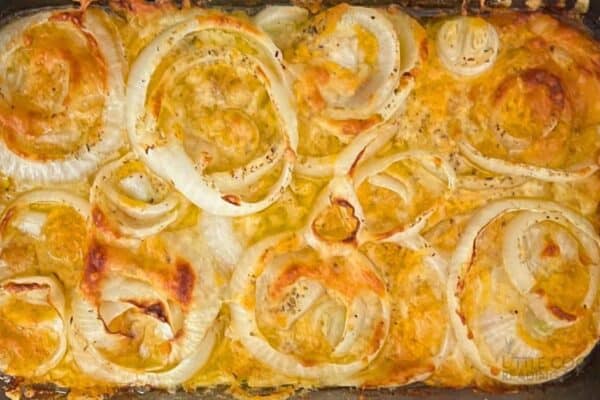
{"x": 336, "y": 299}
{"x": 55, "y": 152}
{"x": 500, "y": 330}
{"x": 160, "y": 316}
{"x": 167, "y": 156}
{"x": 373, "y": 172}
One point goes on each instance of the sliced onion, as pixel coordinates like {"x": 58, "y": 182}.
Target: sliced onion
{"x": 526, "y": 170}
{"x": 373, "y": 172}
{"x": 40, "y": 290}
{"x": 221, "y": 238}
{"x": 32, "y": 222}
{"x": 169, "y": 158}
{"x": 280, "y": 22}
{"x": 381, "y": 95}
{"x": 176, "y": 306}
{"x": 132, "y": 197}
{"x": 463, "y": 258}
{"x": 366, "y": 317}
{"x": 359, "y": 149}
{"x": 515, "y": 254}
{"x": 85, "y": 160}
{"x": 467, "y": 46}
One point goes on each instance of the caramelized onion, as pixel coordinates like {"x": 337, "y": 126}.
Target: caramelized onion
{"x": 39, "y": 291}
{"x": 162, "y": 319}
{"x": 77, "y": 161}
{"x": 281, "y": 285}
{"x": 167, "y": 156}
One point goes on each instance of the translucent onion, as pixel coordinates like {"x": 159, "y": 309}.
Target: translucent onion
{"x": 515, "y": 254}
{"x": 221, "y": 238}
{"x": 167, "y": 157}
{"x": 132, "y": 197}
{"x": 373, "y": 172}
{"x": 531, "y": 212}
{"x": 518, "y": 169}
{"x": 170, "y": 312}
{"x": 382, "y": 93}
{"x": 85, "y": 160}
{"x": 319, "y": 291}
{"x": 40, "y": 290}
{"x": 467, "y": 46}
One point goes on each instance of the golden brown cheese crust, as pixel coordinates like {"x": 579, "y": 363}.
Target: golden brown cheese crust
{"x": 546, "y": 77}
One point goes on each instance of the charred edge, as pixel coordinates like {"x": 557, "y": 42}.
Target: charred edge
{"x": 14, "y": 287}
{"x": 232, "y": 199}
{"x": 95, "y": 263}
{"x": 74, "y": 17}
{"x": 183, "y": 283}
{"x": 155, "y": 310}
{"x": 561, "y": 314}
{"x": 356, "y": 161}
{"x": 552, "y": 82}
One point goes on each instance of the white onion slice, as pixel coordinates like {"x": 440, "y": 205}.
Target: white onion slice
{"x": 515, "y": 254}
{"x": 373, "y": 172}
{"x": 280, "y": 22}
{"x": 463, "y": 257}
{"x": 526, "y": 170}
{"x": 257, "y": 275}
{"x": 170, "y": 160}
{"x": 182, "y": 321}
{"x": 380, "y": 96}
{"x": 41, "y": 290}
{"x": 359, "y": 149}
{"x": 86, "y": 159}
{"x": 140, "y": 203}
{"x": 467, "y": 46}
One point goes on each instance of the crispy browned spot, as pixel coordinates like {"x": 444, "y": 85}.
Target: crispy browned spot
{"x": 551, "y": 250}
{"x": 14, "y": 287}
{"x": 183, "y": 282}
{"x": 155, "y": 310}
{"x": 356, "y": 161}
{"x": 75, "y": 17}
{"x": 536, "y": 76}
{"x": 95, "y": 264}
{"x": 337, "y": 223}
{"x": 6, "y": 219}
{"x": 559, "y": 313}
{"x": 226, "y": 20}
{"x": 334, "y": 276}
{"x": 233, "y": 199}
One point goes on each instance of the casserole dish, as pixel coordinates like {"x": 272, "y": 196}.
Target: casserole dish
{"x": 583, "y": 380}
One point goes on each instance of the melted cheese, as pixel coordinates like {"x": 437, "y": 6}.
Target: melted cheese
{"x": 538, "y": 104}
